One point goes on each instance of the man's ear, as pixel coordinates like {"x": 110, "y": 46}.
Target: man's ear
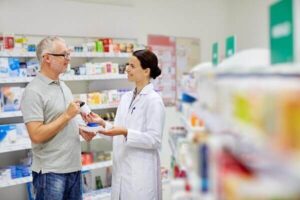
{"x": 46, "y": 58}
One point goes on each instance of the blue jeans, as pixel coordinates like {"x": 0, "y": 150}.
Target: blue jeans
{"x": 53, "y": 186}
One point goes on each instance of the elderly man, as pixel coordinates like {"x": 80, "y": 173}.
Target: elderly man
{"x": 48, "y": 111}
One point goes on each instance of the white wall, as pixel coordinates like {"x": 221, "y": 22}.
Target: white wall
{"x": 187, "y": 18}
{"x": 249, "y": 21}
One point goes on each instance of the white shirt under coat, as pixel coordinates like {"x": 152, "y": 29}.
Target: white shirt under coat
{"x": 136, "y": 161}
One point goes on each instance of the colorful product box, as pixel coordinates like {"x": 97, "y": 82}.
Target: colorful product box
{"x": 11, "y": 98}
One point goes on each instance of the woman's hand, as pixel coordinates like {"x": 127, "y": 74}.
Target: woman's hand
{"x": 114, "y": 131}
{"x": 93, "y": 117}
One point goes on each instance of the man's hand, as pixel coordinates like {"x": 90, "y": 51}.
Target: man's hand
{"x": 87, "y": 136}
{"x": 114, "y": 131}
{"x": 72, "y": 110}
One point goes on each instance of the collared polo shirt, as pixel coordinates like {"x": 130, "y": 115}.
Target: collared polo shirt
{"x": 44, "y": 100}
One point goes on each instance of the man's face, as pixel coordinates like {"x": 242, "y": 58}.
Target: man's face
{"x": 59, "y": 58}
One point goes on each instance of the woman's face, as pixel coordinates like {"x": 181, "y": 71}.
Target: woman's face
{"x": 135, "y": 72}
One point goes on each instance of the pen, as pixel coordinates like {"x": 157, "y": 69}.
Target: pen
{"x": 132, "y": 110}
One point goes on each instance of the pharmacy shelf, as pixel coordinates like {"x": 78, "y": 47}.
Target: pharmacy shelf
{"x": 15, "y": 80}
{"x": 107, "y": 76}
{"x": 68, "y": 78}
{"x": 99, "y": 55}
{"x": 98, "y": 165}
{"x": 97, "y": 137}
{"x": 26, "y": 144}
{"x": 284, "y": 70}
{"x": 189, "y": 127}
{"x": 17, "y": 54}
{"x": 173, "y": 148}
{"x": 103, "y": 107}
{"x": 19, "y": 113}
{"x": 102, "y": 194}
{"x": 17, "y": 181}
{"x": 20, "y": 145}
{"x": 10, "y": 114}
{"x": 26, "y": 54}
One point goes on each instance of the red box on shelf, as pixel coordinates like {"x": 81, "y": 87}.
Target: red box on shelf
{"x": 87, "y": 158}
{"x": 107, "y": 42}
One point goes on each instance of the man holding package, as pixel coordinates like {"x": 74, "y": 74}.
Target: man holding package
{"x": 49, "y": 114}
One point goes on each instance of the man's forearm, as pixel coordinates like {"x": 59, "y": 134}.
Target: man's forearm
{"x": 40, "y": 133}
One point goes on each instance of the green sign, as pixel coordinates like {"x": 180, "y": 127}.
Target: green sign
{"x": 215, "y": 54}
{"x": 281, "y": 32}
{"x": 230, "y": 46}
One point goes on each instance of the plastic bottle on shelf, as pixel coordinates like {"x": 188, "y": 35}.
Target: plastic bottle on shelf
{"x": 99, "y": 184}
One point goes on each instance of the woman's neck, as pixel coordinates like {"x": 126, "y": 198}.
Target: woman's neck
{"x": 140, "y": 85}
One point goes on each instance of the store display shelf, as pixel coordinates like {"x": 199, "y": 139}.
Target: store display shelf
{"x": 99, "y": 55}
{"x": 26, "y": 144}
{"x": 10, "y": 114}
{"x": 93, "y": 77}
{"x": 189, "y": 127}
{"x": 232, "y": 71}
{"x": 102, "y": 194}
{"x": 15, "y": 80}
{"x": 6, "y": 183}
{"x": 97, "y": 165}
{"x": 17, "y": 181}
{"x": 19, "y": 113}
{"x": 20, "y": 145}
{"x": 173, "y": 148}
{"x": 103, "y": 106}
{"x": 97, "y": 137}
{"x": 14, "y": 53}
{"x": 17, "y": 54}
{"x": 67, "y": 78}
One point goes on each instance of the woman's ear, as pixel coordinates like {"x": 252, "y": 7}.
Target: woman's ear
{"x": 147, "y": 71}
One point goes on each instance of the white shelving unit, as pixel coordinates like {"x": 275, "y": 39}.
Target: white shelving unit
{"x": 25, "y": 54}
{"x": 226, "y": 91}
{"x": 78, "y": 84}
{"x": 20, "y": 145}
{"x": 26, "y": 144}
{"x": 67, "y": 78}
{"x": 17, "y": 181}
{"x": 189, "y": 127}
{"x": 102, "y": 194}
{"x": 98, "y": 165}
{"x": 10, "y": 114}
{"x": 19, "y": 113}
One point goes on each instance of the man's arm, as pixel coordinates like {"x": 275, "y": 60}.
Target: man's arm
{"x": 40, "y": 132}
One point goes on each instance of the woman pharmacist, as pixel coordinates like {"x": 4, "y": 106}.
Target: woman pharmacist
{"x": 137, "y": 133}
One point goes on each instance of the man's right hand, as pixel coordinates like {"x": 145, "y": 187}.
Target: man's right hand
{"x": 72, "y": 110}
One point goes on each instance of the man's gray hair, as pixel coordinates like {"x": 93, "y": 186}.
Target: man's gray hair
{"x": 46, "y": 46}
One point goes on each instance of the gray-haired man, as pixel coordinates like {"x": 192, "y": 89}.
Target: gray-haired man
{"x": 48, "y": 111}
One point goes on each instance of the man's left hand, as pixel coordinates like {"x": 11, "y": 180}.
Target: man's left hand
{"x": 87, "y": 136}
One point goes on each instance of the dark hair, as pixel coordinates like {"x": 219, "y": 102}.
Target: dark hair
{"x": 148, "y": 60}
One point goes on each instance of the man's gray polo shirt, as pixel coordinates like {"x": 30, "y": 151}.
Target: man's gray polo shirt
{"x": 45, "y": 100}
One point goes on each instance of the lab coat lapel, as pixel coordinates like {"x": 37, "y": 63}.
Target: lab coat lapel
{"x": 144, "y": 91}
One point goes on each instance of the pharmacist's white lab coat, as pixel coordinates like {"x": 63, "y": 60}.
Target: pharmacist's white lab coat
{"x": 136, "y": 162}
